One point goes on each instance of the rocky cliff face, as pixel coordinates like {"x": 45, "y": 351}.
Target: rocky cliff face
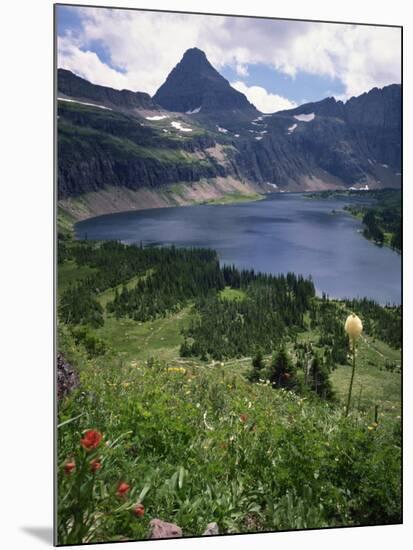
{"x": 98, "y": 148}
{"x": 194, "y": 85}
{"x": 356, "y": 135}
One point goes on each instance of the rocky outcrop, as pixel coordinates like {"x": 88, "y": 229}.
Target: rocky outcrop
{"x": 355, "y": 135}
{"x": 101, "y": 170}
{"x": 97, "y": 149}
{"x": 212, "y": 529}
{"x": 164, "y": 530}
{"x": 66, "y": 377}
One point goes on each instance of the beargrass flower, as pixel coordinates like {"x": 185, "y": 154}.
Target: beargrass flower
{"x": 91, "y": 440}
{"x": 353, "y": 326}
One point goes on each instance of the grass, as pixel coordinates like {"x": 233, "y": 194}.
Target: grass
{"x": 232, "y": 294}
{"x": 369, "y": 389}
{"x": 109, "y": 294}
{"x": 235, "y": 197}
{"x": 136, "y": 341}
{"x": 121, "y": 147}
{"x": 65, "y": 222}
{"x": 373, "y": 385}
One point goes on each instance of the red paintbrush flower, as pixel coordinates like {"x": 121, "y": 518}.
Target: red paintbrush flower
{"x": 139, "y": 510}
{"x": 91, "y": 440}
{"x": 95, "y": 465}
{"x": 123, "y": 488}
{"x": 69, "y": 467}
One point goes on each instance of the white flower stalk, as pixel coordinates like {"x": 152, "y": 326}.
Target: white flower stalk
{"x": 354, "y": 327}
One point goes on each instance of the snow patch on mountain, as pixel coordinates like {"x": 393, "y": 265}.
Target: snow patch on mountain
{"x": 84, "y": 103}
{"x": 194, "y": 111}
{"x": 305, "y": 118}
{"x": 178, "y": 126}
{"x": 156, "y": 117}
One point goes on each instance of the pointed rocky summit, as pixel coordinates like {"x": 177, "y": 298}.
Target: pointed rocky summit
{"x": 195, "y": 86}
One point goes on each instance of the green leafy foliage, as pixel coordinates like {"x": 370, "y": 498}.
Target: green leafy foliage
{"x": 93, "y": 345}
{"x": 204, "y": 446}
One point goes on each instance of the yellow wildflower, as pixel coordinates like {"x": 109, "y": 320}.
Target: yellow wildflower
{"x": 180, "y": 370}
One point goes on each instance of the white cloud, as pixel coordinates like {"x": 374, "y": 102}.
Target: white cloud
{"x": 145, "y": 47}
{"x": 241, "y": 70}
{"x": 88, "y": 65}
{"x": 263, "y": 100}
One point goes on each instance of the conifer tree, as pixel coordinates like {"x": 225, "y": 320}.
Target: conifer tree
{"x": 282, "y": 371}
{"x": 257, "y": 366}
{"x": 320, "y": 379}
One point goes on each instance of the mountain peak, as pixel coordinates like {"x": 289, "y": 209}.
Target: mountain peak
{"x": 194, "y": 84}
{"x": 194, "y": 53}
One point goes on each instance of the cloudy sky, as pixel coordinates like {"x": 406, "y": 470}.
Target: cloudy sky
{"x": 276, "y": 64}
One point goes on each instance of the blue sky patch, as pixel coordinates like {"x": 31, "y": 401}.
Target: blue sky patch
{"x": 303, "y": 88}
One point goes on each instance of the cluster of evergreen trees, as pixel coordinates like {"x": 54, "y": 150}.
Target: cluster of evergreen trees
{"x": 282, "y": 372}
{"x": 372, "y": 229}
{"x": 233, "y": 328}
{"x": 178, "y": 276}
{"x": 169, "y": 277}
{"x": 327, "y": 318}
{"x": 385, "y": 217}
{"x": 78, "y": 305}
{"x": 63, "y": 250}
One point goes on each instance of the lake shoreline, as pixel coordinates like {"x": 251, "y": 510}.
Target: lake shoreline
{"x": 385, "y": 244}
{"x": 115, "y": 200}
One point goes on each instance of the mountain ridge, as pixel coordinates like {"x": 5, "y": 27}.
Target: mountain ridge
{"x": 72, "y": 85}
{"x": 112, "y": 139}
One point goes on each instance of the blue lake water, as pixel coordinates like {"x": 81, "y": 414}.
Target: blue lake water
{"x": 284, "y": 232}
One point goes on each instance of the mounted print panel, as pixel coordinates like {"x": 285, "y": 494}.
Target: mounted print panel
{"x": 229, "y": 250}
